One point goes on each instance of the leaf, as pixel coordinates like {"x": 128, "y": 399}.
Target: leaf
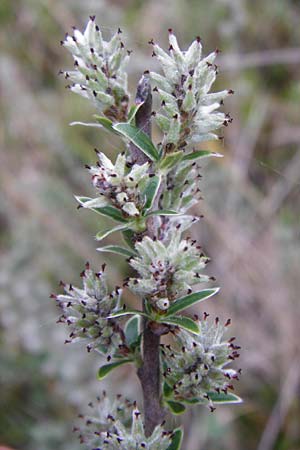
{"x": 132, "y": 329}
{"x": 128, "y": 236}
{"x": 139, "y": 138}
{"x": 176, "y": 408}
{"x": 107, "y": 368}
{"x": 176, "y": 439}
{"x": 215, "y": 398}
{"x": 151, "y": 191}
{"x": 170, "y": 160}
{"x": 200, "y": 154}
{"x": 126, "y": 312}
{"x": 182, "y": 322}
{"x": 117, "y": 249}
{"x": 190, "y": 300}
{"x": 132, "y": 112}
{"x": 163, "y": 212}
{"x": 98, "y": 202}
{"x": 193, "y": 401}
{"x": 224, "y": 398}
{"x": 86, "y": 124}
{"x": 113, "y": 213}
{"x": 102, "y": 349}
{"x": 108, "y": 211}
{"x": 105, "y": 122}
{"x": 103, "y": 234}
{"x": 167, "y": 390}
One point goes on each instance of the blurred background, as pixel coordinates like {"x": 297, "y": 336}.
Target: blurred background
{"x": 251, "y": 209}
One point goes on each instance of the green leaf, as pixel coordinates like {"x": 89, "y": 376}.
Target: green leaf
{"x": 190, "y": 300}
{"x": 151, "y": 191}
{"x": 132, "y": 329}
{"x": 113, "y": 213}
{"x": 117, "y": 249}
{"x": 182, "y": 322}
{"x": 176, "y": 439}
{"x": 163, "y": 212}
{"x": 132, "y": 112}
{"x": 108, "y": 211}
{"x": 170, "y": 160}
{"x": 102, "y": 349}
{"x": 167, "y": 390}
{"x": 126, "y": 312}
{"x": 128, "y": 236}
{"x": 193, "y": 401}
{"x": 200, "y": 154}
{"x": 176, "y": 408}
{"x": 107, "y": 368}
{"x": 215, "y": 398}
{"x": 105, "y": 122}
{"x": 139, "y": 138}
{"x": 224, "y": 398}
{"x": 104, "y": 233}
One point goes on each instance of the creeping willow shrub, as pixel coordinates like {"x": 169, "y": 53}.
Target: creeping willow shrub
{"x": 147, "y": 193}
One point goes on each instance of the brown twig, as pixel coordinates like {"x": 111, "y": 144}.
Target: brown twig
{"x": 149, "y": 373}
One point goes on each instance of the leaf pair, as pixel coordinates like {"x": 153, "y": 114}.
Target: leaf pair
{"x": 170, "y": 317}
{"x": 131, "y": 223}
{"x": 144, "y": 143}
{"x": 132, "y": 329}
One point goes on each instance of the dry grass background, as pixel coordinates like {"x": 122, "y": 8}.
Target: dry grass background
{"x": 251, "y": 209}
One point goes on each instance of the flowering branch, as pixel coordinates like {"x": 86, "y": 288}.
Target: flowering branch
{"x": 148, "y": 191}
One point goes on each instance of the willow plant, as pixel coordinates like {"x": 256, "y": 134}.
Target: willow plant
{"x": 147, "y": 193}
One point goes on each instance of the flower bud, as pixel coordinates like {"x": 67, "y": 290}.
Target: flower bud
{"x": 201, "y": 368}
{"x": 109, "y": 427}
{"x": 99, "y": 70}
{"x": 85, "y": 311}
{"x": 184, "y": 90}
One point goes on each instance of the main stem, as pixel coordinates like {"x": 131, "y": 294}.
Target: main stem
{"x": 149, "y": 373}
